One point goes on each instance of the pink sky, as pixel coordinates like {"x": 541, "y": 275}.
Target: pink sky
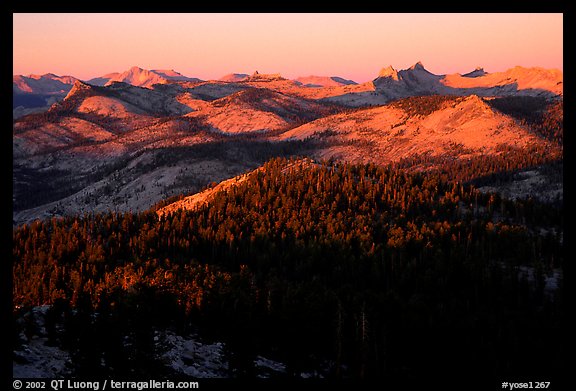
{"x": 354, "y": 46}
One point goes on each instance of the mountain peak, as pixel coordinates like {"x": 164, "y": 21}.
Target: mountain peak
{"x": 417, "y": 67}
{"x": 138, "y": 77}
{"x": 473, "y": 98}
{"x": 46, "y": 84}
{"x": 141, "y": 77}
{"x": 389, "y": 71}
{"x": 78, "y": 87}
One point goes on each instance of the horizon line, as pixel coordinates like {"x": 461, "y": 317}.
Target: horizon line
{"x": 281, "y": 74}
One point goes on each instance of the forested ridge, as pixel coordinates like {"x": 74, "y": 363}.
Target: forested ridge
{"x": 370, "y": 269}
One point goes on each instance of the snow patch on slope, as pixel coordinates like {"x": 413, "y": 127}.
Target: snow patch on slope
{"x": 35, "y": 358}
{"x": 189, "y": 356}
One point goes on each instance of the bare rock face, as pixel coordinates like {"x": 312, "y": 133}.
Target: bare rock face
{"x": 389, "y": 72}
{"x": 416, "y": 80}
{"x": 479, "y": 71}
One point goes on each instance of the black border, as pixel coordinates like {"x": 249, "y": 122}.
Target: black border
{"x": 409, "y": 6}
{"x": 443, "y": 381}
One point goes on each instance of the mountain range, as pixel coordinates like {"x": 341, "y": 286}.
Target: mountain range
{"x": 126, "y": 141}
{"x": 35, "y": 93}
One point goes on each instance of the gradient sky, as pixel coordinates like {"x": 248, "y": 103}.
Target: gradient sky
{"x": 354, "y": 46}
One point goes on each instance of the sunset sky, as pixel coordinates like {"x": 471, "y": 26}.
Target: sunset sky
{"x": 354, "y": 46}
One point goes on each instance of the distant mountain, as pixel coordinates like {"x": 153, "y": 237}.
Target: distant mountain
{"x": 139, "y": 77}
{"x": 416, "y": 80}
{"x": 34, "y": 93}
{"x": 170, "y": 74}
{"x": 102, "y": 80}
{"x": 391, "y": 84}
{"x": 120, "y": 99}
{"x": 479, "y": 71}
{"x": 234, "y": 77}
{"x": 265, "y": 77}
{"x": 323, "y": 81}
{"x": 47, "y": 84}
{"x": 435, "y": 126}
{"x": 258, "y": 110}
{"x": 519, "y": 80}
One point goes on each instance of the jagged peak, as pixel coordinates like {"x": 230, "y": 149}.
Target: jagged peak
{"x": 389, "y": 71}
{"x": 478, "y": 71}
{"x": 418, "y": 66}
{"x": 77, "y": 87}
